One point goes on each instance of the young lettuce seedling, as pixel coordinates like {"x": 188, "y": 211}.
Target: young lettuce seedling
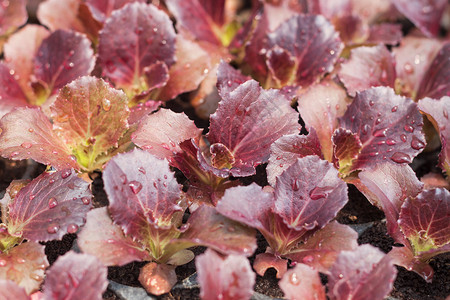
{"x": 45, "y": 209}
{"x": 147, "y": 207}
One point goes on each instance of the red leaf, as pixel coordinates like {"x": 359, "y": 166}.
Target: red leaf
{"x": 25, "y": 265}
{"x": 387, "y": 186}
{"x": 301, "y": 196}
{"x": 265, "y": 261}
{"x": 413, "y": 57}
{"x": 27, "y": 133}
{"x": 368, "y": 67}
{"x": 404, "y": 257}
{"x": 161, "y": 133}
{"x": 426, "y": 15}
{"x": 12, "y": 15}
{"x": 90, "y": 116}
{"x": 228, "y": 277}
{"x": 228, "y": 79}
{"x": 11, "y": 94}
{"x": 49, "y": 207}
{"x": 435, "y": 82}
{"x": 63, "y": 57}
{"x": 102, "y": 9}
{"x": 364, "y": 273}
{"x": 157, "y": 279}
{"x": 76, "y": 276}
{"x": 249, "y": 119}
{"x": 320, "y": 106}
{"x": 389, "y": 127}
{"x": 191, "y": 16}
{"x": 437, "y": 112}
{"x": 424, "y": 220}
{"x": 322, "y": 248}
{"x": 347, "y": 147}
{"x": 302, "y": 283}
{"x": 57, "y": 14}
{"x": 208, "y": 228}
{"x": 141, "y": 110}
{"x": 134, "y": 37}
{"x": 141, "y": 190}
{"x": 109, "y": 245}
{"x": 285, "y": 151}
{"x": 385, "y": 33}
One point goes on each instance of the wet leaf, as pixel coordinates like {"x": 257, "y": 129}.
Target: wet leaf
{"x": 302, "y": 282}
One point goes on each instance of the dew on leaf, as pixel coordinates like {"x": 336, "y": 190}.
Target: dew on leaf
{"x": 365, "y": 129}
{"x": 66, "y": 173}
{"x": 106, "y": 104}
{"x": 408, "y": 68}
{"x": 72, "y": 228}
{"x": 135, "y": 186}
{"x": 295, "y": 185}
{"x": 123, "y": 178}
{"x": 380, "y": 132}
{"x": 409, "y": 128}
{"x": 400, "y": 157}
{"x": 86, "y": 200}
{"x": 30, "y": 129}
{"x": 3, "y": 263}
{"x": 52, "y": 228}
{"x": 52, "y": 203}
{"x": 391, "y": 142}
{"x": 13, "y": 154}
{"x": 293, "y": 279}
{"x": 26, "y": 145}
{"x": 403, "y": 138}
{"x": 417, "y": 144}
{"x": 142, "y": 170}
{"x": 20, "y": 260}
{"x": 394, "y": 109}
{"x": 308, "y": 259}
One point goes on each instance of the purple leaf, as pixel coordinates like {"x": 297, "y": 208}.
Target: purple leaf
{"x": 25, "y": 265}
{"x": 320, "y": 106}
{"x": 134, "y": 37}
{"x": 11, "y": 94}
{"x": 50, "y": 206}
{"x": 209, "y": 228}
{"x": 191, "y": 59}
{"x": 302, "y": 283}
{"x": 424, "y": 220}
{"x": 248, "y": 120}
{"x": 388, "y": 126}
{"x": 90, "y": 116}
{"x": 76, "y": 276}
{"x": 157, "y": 279}
{"x": 228, "y": 79}
{"x": 437, "y": 112}
{"x": 161, "y": 133}
{"x": 102, "y": 9}
{"x": 141, "y": 110}
{"x": 385, "y": 33}
{"x": 228, "y": 277}
{"x": 191, "y": 16}
{"x": 425, "y": 14}
{"x": 322, "y": 248}
{"x": 413, "y": 57}
{"x": 435, "y": 82}
{"x": 368, "y": 67}
{"x": 10, "y": 290}
{"x": 265, "y": 261}
{"x": 12, "y": 15}
{"x": 27, "y": 133}
{"x": 56, "y": 14}
{"x": 301, "y": 196}
{"x": 364, "y": 273}
{"x": 20, "y": 51}
{"x": 404, "y": 257}
{"x": 347, "y": 147}
{"x": 285, "y": 151}
{"x": 141, "y": 190}
{"x": 109, "y": 245}
{"x": 387, "y": 186}
{"x": 304, "y": 39}
{"x": 63, "y": 57}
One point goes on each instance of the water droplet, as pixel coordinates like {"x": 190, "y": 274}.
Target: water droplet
{"x": 123, "y": 178}
{"x": 403, "y": 138}
{"x": 408, "y": 68}
{"x": 371, "y": 103}
{"x": 400, "y": 157}
{"x": 295, "y": 185}
{"x": 165, "y": 176}
{"x": 391, "y": 142}
{"x": 423, "y": 234}
{"x": 294, "y": 279}
{"x": 52, "y": 228}
{"x": 26, "y": 145}
{"x": 72, "y": 228}
{"x": 380, "y": 132}
{"x": 365, "y": 129}
{"x": 445, "y": 113}
{"x": 3, "y": 262}
{"x": 308, "y": 259}
{"x": 310, "y": 226}
{"x": 417, "y": 144}
{"x": 373, "y": 154}
{"x": 340, "y": 276}
{"x": 377, "y": 121}
{"x": 52, "y": 203}
{"x": 110, "y": 241}
{"x": 139, "y": 30}
{"x": 86, "y": 200}
{"x": 318, "y": 193}
{"x": 30, "y": 130}
{"x": 13, "y": 154}
{"x": 163, "y": 42}
{"x": 142, "y": 170}
{"x": 106, "y": 104}
{"x": 408, "y": 128}
{"x": 135, "y": 186}
{"x": 66, "y": 173}
{"x": 165, "y": 146}
{"x": 20, "y": 260}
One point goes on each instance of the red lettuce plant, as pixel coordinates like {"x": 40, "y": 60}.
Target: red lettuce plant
{"x": 292, "y": 217}
{"x": 221, "y": 277}
{"x": 362, "y": 273}
{"x": 44, "y": 209}
{"x": 13, "y": 14}
{"x": 247, "y": 121}
{"x": 33, "y": 73}
{"x": 147, "y": 207}
{"x": 72, "y": 276}
{"x": 89, "y": 126}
